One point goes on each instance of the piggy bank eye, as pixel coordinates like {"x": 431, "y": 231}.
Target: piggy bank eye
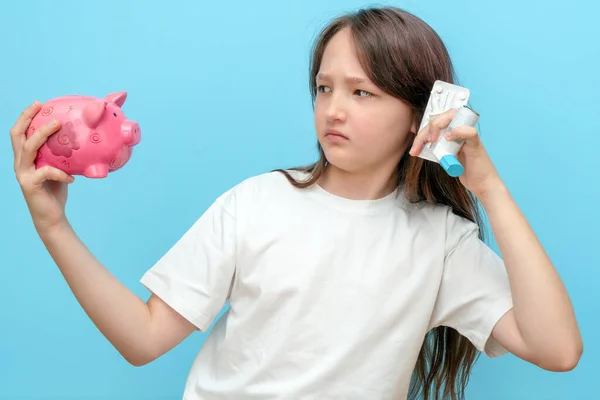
{"x": 115, "y": 114}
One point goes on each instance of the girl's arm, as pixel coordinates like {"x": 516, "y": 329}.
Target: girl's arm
{"x": 140, "y": 331}
{"x": 542, "y": 327}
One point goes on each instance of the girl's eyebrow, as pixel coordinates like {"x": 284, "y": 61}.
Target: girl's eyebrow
{"x": 349, "y": 79}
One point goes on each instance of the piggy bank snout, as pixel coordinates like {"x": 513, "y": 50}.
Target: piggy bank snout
{"x": 132, "y": 133}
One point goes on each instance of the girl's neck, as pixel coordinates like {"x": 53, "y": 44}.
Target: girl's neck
{"x": 368, "y": 185}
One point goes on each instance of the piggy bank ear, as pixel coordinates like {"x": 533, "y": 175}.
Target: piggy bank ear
{"x": 118, "y": 98}
{"x": 92, "y": 113}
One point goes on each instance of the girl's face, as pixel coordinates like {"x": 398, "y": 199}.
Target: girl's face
{"x": 359, "y": 127}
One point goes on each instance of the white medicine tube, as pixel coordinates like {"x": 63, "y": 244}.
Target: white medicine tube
{"x": 445, "y": 151}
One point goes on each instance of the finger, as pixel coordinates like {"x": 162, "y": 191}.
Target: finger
{"x": 440, "y": 122}
{"x": 35, "y": 141}
{"x": 17, "y": 132}
{"x": 419, "y": 141}
{"x": 467, "y": 133}
{"x": 48, "y": 173}
{"x": 431, "y": 131}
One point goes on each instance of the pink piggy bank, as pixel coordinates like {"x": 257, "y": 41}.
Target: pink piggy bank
{"x": 94, "y": 138}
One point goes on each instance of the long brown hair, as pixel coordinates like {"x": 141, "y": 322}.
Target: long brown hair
{"x": 404, "y": 56}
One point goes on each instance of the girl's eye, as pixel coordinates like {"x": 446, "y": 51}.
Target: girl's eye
{"x": 363, "y": 93}
{"x": 360, "y": 93}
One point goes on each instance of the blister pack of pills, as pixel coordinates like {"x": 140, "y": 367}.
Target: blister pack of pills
{"x": 443, "y": 97}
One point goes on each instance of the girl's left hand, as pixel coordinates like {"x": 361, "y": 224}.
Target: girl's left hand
{"x": 480, "y": 174}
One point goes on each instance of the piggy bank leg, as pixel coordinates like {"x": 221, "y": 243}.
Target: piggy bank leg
{"x": 41, "y": 161}
{"x": 96, "y": 171}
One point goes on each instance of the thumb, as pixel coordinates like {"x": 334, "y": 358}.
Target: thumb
{"x": 48, "y": 173}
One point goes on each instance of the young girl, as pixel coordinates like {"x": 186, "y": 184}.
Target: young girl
{"x": 346, "y": 278}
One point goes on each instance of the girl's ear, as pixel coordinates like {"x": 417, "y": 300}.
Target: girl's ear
{"x": 414, "y": 126}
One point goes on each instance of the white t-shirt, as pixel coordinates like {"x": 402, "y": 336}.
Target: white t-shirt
{"x": 330, "y": 298}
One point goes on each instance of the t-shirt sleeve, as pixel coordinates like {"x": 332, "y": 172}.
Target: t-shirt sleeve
{"x": 474, "y": 291}
{"x": 194, "y": 277}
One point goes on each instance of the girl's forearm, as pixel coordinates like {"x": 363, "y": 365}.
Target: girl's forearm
{"x": 122, "y": 317}
{"x": 543, "y": 310}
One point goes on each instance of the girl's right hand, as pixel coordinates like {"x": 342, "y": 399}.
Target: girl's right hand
{"x": 44, "y": 189}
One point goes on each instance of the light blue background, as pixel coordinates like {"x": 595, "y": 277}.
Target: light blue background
{"x": 220, "y": 90}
